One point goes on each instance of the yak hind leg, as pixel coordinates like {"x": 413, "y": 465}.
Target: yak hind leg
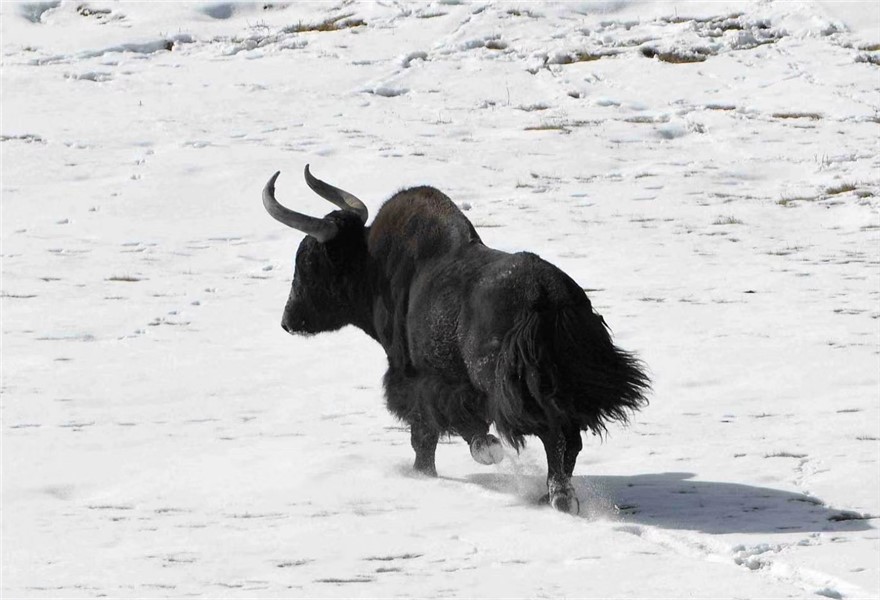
{"x": 560, "y": 494}
{"x": 485, "y": 448}
{"x": 424, "y": 442}
{"x": 573, "y": 446}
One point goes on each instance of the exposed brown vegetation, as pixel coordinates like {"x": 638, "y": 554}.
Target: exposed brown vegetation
{"x": 331, "y": 24}
{"x": 547, "y": 127}
{"x": 840, "y": 189}
{"x": 674, "y": 57}
{"x": 496, "y": 45}
{"x": 581, "y": 56}
{"x": 797, "y": 115}
{"x": 517, "y": 12}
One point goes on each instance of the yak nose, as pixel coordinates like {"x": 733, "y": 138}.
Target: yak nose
{"x": 284, "y": 327}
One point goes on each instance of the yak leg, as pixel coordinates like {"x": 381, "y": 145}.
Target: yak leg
{"x": 485, "y": 448}
{"x": 424, "y": 442}
{"x": 573, "y": 446}
{"x": 561, "y": 493}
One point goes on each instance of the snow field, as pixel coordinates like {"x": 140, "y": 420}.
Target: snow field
{"x": 707, "y": 171}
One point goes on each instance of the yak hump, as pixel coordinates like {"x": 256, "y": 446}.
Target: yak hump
{"x": 417, "y": 225}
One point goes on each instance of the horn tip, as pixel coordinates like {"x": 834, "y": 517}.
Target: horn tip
{"x": 270, "y": 185}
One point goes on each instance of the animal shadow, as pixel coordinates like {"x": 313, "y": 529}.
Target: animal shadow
{"x": 679, "y": 501}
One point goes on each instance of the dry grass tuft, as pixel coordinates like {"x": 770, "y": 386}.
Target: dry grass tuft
{"x": 728, "y": 220}
{"x": 581, "y": 56}
{"x": 785, "y": 455}
{"x": 694, "y": 56}
{"x": 840, "y": 189}
{"x": 331, "y": 24}
{"x": 547, "y": 127}
{"x": 518, "y": 12}
{"x": 797, "y": 115}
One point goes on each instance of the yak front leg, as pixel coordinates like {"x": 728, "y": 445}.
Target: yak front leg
{"x": 424, "y": 442}
{"x": 560, "y": 491}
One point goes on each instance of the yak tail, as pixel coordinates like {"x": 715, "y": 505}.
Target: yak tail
{"x": 559, "y": 368}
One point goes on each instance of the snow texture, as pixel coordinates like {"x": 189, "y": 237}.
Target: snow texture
{"x": 708, "y": 171}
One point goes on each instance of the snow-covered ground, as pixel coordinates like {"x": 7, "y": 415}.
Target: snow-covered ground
{"x": 708, "y": 171}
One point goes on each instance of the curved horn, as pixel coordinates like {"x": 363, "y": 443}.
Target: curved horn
{"x": 340, "y": 198}
{"x": 319, "y": 229}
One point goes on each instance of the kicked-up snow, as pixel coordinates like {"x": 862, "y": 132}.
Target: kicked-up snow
{"x": 707, "y": 171}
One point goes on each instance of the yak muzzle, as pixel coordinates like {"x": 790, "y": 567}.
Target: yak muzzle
{"x": 287, "y": 323}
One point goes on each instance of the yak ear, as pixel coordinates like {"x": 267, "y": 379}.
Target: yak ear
{"x": 320, "y": 229}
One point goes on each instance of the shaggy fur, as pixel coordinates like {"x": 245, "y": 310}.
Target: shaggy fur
{"x": 559, "y": 368}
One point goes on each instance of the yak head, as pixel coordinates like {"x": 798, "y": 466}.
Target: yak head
{"x": 331, "y": 262}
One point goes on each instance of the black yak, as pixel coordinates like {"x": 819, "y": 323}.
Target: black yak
{"x": 474, "y": 336}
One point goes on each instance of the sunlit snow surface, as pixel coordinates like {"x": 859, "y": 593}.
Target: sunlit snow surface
{"x": 708, "y": 171}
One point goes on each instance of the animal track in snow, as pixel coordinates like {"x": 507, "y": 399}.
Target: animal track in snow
{"x": 758, "y": 558}
{"x": 34, "y": 11}
{"x": 93, "y": 76}
{"x": 163, "y": 44}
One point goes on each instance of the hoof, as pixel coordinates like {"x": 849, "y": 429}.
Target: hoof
{"x": 486, "y": 449}
{"x": 564, "y": 500}
{"x": 428, "y": 470}
{"x": 566, "y": 503}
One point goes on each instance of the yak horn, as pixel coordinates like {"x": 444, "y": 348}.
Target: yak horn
{"x": 320, "y": 229}
{"x": 340, "y": 198}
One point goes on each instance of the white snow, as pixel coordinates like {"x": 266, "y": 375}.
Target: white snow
{"x": 708, "y": 171}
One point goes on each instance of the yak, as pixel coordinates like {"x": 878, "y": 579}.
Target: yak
{"x": 474, "y": 336}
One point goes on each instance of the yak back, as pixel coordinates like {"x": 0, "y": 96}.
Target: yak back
{"x": 414, "y": 228}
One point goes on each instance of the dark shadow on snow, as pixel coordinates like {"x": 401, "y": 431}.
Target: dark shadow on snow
{"x": 678, "y": 501}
